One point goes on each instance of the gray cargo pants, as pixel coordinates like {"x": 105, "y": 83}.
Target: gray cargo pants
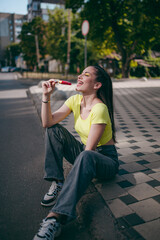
{"x": 101, "y": 164}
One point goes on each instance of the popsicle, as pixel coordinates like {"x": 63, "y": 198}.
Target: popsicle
{"x": 63, "y": 82}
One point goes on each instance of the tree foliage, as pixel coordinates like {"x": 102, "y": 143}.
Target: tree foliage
{"x": 57, "y": 39}
{"x": 28, "y": 43}
{"x": 57, "y": 35}
{"x": 12, "y": 51}
{"x": 131, "y": 27}
{"x": 128, "y": 27}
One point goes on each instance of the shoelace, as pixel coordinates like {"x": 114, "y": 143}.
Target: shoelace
{"x": 54, "y": 189}
{"x": 47, "y": 229}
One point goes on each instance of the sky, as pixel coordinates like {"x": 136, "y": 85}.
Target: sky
{"x": 14, "y": 6}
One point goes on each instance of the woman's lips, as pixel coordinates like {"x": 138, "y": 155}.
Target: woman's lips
{"x": 79, "y": 83}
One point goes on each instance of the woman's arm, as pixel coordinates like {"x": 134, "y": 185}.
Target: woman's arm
{"x": 49, "y": 119}
{"x": 94, "y": 136}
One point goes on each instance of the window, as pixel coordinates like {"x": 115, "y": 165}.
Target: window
{"x": 35, "y": 6}
{"x": 18, "y": 28}
{"x": 18, "y": 20}
{"x": 45, "y": 17}
{"x": 4, "y": 31}
{"x": 49, "y": 6}
{"x": 17, "y": 33}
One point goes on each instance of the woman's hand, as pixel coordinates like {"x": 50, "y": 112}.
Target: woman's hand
{"x": 48, "y": 87}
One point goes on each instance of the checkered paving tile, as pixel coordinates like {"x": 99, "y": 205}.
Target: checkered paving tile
{"x": 147, "y": 209}
{"x": 128, "y": 199}
{"x": 154, "y": 183}
{"x": 133, "y": 219}
{"x": 155, "y": 175}
{"x": 157, "y": 198}
{"x": 149, "y": 230}
{"x": 134, "y": 197}
{"x": 137, "y": 178}
{"x": 125, "y": 184}
{"x": 138, "y": 144}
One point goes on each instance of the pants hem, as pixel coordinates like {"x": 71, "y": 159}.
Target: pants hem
{"x": 51, "y": 179}
{"x": 69, "y": 216}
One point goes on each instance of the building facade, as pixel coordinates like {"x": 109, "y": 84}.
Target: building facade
{"x": 40, "y": 8}
{"x": 10, "y": 28}
{"x": 11, "y": 24}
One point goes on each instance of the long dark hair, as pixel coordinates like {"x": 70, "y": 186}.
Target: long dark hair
{"x": 105, "y": 93}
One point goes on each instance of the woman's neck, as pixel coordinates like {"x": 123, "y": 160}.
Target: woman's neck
{"x": 89, "y": 100}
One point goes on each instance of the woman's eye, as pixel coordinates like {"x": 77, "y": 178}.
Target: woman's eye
{"x": 87, "y": 74}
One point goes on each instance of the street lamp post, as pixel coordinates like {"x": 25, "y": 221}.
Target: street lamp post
{"x": 85, "y": 30}
{"x": 85, "y": 52}
{"x": 37, "y": 46}
{"x": 69, "y": 42}
{"x": 10, "y": 58}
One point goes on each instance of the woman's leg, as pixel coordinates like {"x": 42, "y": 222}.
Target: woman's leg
{"x": 88, "y": 165}
{"x": 59, "y": 143}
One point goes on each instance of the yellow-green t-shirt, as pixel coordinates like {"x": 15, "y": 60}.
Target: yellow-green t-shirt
{"x": 98, "y": 114}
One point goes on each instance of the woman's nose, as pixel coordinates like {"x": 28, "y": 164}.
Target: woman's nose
{"x": 79, "y": 76}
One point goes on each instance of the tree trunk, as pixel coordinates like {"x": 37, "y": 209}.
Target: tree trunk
{"x": 125, "y": 67}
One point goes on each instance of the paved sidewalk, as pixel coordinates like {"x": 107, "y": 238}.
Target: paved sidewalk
{"x": 134, "y": 195}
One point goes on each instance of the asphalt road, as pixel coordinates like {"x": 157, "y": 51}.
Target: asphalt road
{"x": 21, "y": 162}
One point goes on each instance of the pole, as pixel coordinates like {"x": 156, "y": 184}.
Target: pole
{"x": 37, "y": 48}
{"x": 69, "y": 39}
{"x": 85, "y": 52}
{"x": 85, "y": 30}
{"x": 10, "y": 62}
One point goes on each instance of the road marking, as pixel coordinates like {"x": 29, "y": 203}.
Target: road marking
{"x": 18, "y": 93}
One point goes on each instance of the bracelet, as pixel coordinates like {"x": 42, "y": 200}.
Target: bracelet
{"x": 46, "y": 101}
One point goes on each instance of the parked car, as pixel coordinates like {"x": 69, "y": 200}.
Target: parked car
{"x": 15, "y": 69}
{"x": 6, "y": 69}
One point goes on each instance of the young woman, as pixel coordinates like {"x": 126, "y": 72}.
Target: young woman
{"x": 94, "y": 157}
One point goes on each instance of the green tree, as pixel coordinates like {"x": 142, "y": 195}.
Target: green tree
{"x": 57, "y": 35}
{"x": 28, "y": 41}
{"x": 78, "y": 44}
{"x": 57, "y": 40}
{"x": 77, "y": 53}
{"x": 131, "y": 27}
{"x": 12, "y": 51}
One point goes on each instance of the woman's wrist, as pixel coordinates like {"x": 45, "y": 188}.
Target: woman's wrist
{"x": 45, "y": 98}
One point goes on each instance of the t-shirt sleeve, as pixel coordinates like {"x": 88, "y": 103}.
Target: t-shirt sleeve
{"x": 100, "y": 114}
{"x": 69, "y": 102}
{"x": 72, "y": 102}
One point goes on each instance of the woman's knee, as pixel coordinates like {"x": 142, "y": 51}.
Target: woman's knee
{"x": 55, "y": 129}
{"x": 86, "y": 158}
{"x": 53, "y": 132}
{"x": 52, "y": 128}
{"x": 86, "y": 153}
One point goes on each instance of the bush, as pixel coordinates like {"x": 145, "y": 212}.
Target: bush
{"x": 138, "y": 71}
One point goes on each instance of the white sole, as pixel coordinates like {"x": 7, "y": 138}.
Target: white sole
{"x": 49, "y": 204}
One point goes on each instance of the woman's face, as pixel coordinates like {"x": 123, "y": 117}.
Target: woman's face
{"x": 86, "y": 80}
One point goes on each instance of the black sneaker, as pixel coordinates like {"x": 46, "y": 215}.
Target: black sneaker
{"x": 50, "y": 197}
{"x": 49, "y": 229}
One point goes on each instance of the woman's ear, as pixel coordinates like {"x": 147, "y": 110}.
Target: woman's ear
{"x": 97, "y": 85}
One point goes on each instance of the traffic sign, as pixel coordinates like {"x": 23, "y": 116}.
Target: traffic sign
{"x": 85, "y": 27}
